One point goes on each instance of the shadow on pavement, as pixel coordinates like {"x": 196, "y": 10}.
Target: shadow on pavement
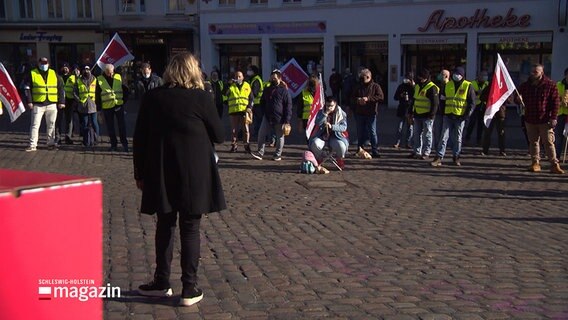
{"x": 535, "y": 219}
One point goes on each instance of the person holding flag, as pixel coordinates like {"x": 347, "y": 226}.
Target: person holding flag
{"x": 497, "y": 123}
{"x": 539, "y": 96}
{"x": 276, "y": 103}
{"x": 44, "y": 92}
{"x": 330, "y": 127}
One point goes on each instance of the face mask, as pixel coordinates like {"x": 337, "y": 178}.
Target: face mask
{"x": 440, "y": 77}
{"x": 146, "y": 76}
{"x": 250, "y": 73}
{"x": 239, "y": 81}
{"x": 406, "y": 81}
{"x": 457, "y": 77}
{"x": 485, "y": 78}
{"x": 43, "y": 67}
{"x": 274, "y": 82}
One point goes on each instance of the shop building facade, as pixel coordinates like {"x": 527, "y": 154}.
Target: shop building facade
{"x": 65, "y": 31}
{"x": 388, "y": 37}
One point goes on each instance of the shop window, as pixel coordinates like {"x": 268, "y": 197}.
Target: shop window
{"x": 177, "y": 6}
{"x": 54, "y": 9}
{"x": 518, "y": 57}
{"x": 291, "y": 1}
{"x": 26, "y": 9}
{"x": 132, "y": 6}
{"x": 258, "y": 2}
{"x": 84, "y": 9}
{"x": 226, "y": 3}
{"x": 2, "y": 10}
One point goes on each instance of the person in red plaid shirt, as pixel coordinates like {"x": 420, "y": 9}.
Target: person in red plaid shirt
{"x": 541, "y": 103}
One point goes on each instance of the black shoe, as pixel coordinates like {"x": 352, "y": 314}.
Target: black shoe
{"x": 413, "y": 156}
{"x": 457, "y": 161}
{"x": 256, "y": 155}
{"x": 234, "y": 148}
{"x": 247, "y": 148}
{"x": 68, "y": 140}
{"x": 125, "y": 149}
{"x": 52, "y": 147}
{"x": 375, "y": 154}
{"x": 111, "y": 149}
{"x": 152, "y": 289}
{"x": 190, "y": 296}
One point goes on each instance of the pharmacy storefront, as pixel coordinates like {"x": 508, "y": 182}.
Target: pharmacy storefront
{"x": 388, "y": 39}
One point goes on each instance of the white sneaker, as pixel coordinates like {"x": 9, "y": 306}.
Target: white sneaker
{"x": 31, "y": 149}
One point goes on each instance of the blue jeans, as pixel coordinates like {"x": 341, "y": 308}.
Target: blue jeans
{"x": 367, "y": 130}
{"x": 406, "y": 128}
{"x": 86, "y": 120}
{"x": 265, "y": 129}
{"x": 559, "y": 138}
{"x": 452, "y": 130}
{"x": 423, "y": 136}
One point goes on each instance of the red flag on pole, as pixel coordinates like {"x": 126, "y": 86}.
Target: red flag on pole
{"x": 9, "y": 95}
{"x": 317, "y": 104}
{"x": 115, "y": 53}
{"x": 502, "y": 87}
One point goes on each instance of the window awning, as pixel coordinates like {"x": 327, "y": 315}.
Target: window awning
{"x": 515, "y": 37}
{"x": 433, "y": 39}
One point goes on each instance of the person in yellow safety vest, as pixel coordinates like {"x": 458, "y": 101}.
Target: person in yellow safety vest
{"x": 44, "y": 92}
{"x": 303, "y": 103}
{"x": 64, "y": 121}
{"x": 476, "y": 120}
{"x": 111, "y": 95}
{"x": 257, "y": 86}
{"x": 218, "y": 89}
{"x": 240, "y": 100}
{"x": 84, "y": 93}
{"x": 425, "y": 102}
{"x": 460, "y": 102}
{"x": 562, "y": 85}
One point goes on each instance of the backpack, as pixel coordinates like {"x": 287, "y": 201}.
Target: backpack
{"x": 309, "y": 163}
{"x": 307, "y": 167}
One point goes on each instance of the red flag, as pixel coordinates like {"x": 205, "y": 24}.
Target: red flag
{"x": 317, "y": 104}
{"x": 294, "y": 77}
{"x": 115, "y": 53}
{"x": 9, "y": 95}
{"x": 502, "y": 87}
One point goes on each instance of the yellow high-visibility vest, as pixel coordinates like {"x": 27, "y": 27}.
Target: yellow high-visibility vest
{"x": 456, "y": 100}
{"x": 478, "y": 88}
{"x": 69, "y": 84}
{"x": 422, "y": 104}
{"x": 239, "y": 99}
{"x": 41, "y": 90}
{"x": 110, "y": 97}
{"x": 561, "y": 92}
{"x": 307, "y": 100}
{"x": 86, "y": 92}
{"x": 261, "y": 86}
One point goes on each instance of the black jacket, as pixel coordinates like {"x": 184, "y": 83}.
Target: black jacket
{"x": 276, "y": 102}
{"x": 174, "y": 154}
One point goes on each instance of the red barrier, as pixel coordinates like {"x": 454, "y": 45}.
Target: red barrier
{"x": 51, "y": 246}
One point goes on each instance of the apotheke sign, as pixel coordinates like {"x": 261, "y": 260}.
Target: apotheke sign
{"x": 480, "y": 19}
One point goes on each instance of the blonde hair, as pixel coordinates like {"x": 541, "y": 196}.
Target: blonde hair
{"x": 183, "y": 71}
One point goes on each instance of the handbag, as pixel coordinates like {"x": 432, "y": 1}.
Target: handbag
{"x": 287, "y": 129}
{"x": 248, "y": 116}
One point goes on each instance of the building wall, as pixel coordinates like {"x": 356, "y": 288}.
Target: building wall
{"x": 397, "y": 22}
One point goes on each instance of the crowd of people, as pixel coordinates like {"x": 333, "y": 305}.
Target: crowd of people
{"x": 436, "y": 111}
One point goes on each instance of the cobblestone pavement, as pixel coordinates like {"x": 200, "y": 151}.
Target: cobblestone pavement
{"x": 388, "y": 238}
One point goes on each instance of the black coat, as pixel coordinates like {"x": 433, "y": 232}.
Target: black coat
{"x": 174, "y": 154}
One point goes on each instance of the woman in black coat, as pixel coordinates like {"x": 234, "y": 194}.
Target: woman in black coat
{"x": 175, "y": 167}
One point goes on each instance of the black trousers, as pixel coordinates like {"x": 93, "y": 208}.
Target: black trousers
{"x": 190, "y": 247}
{"x": 499, "y": 124}
{"x": 109, "y": 114}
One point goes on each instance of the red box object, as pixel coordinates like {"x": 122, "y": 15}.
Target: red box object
{"x": 51, "y": 246}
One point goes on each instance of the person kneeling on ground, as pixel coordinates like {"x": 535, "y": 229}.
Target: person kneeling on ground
{"x": 330, "y": 127}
